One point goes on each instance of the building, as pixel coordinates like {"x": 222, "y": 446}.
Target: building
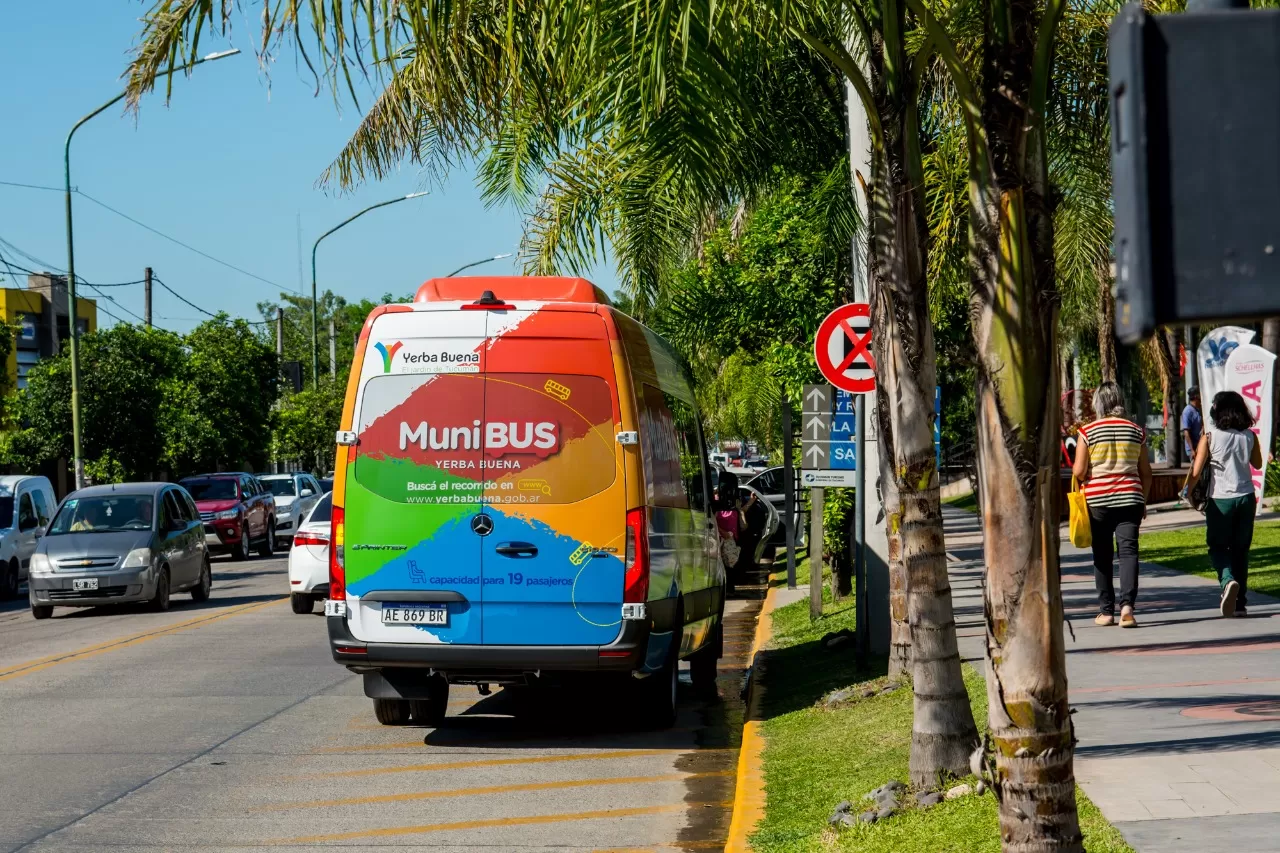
{"x": 39, "y": 314}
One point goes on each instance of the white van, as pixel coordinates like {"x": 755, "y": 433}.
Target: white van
{"x": 26, "y": 505}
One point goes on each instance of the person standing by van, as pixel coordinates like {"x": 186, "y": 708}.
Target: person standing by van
{"x": 1229, "y": 449}
{"x": 1111, "y": 461}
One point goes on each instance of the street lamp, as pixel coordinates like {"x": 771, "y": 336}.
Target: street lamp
{"x": 477, "y": 263}
{"x": 71, "y": 266}
{"x": 315, "y": 350}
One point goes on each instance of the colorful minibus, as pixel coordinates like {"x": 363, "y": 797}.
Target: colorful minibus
{"x": 521, "y": 496}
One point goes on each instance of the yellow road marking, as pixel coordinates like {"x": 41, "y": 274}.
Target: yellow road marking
{"x": 28, "y": 667}
{"x": 502, "y": 762}
{"x": 483, "y": 824}
{"x": 489, "y": 789}
{"x": 748, "y": 795}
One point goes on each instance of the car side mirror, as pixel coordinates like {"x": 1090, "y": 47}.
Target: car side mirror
{"x": 307, "y": 492}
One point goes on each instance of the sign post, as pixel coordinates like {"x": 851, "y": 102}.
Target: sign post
{"x": 842, "y": 349}
{"x": 815, "y": 434}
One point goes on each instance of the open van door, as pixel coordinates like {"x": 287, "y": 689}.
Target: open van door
{"x": 553, "y": 562}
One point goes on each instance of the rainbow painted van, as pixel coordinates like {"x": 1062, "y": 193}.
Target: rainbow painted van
{"x": 521, "y": 496}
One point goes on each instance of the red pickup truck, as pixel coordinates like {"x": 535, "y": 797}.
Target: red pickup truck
{"x": 238, "y": 513}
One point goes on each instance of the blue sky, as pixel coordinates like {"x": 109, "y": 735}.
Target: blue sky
{"x": 227, "y": 167}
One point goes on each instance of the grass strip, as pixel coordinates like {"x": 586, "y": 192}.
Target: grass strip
{"x": 967, "y": 501}
{"x": 1185, "y": 550}
{"x": 815, "y": 755}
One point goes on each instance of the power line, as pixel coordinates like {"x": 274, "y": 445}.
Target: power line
{"x": 160, "y": 282}
{"x": 155, "y": 231}
{"x": 176, "y": 241}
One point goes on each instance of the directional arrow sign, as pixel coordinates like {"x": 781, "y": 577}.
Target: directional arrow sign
{"x": 816, "y": 427}
{"x": 815, "y": 455}
{"x": 817, "y": 399}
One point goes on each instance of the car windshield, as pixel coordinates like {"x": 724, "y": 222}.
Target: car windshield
{"x": 283, "y": 488}
{"x": 104, "y": 514}
{"x": 211, "y": 490}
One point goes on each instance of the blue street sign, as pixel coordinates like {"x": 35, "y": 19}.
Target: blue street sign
{"x": 843, "y": 432}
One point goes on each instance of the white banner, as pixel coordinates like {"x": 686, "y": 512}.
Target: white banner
{"x": 1211, "y": 360}
{"x": 1249, "y": 372}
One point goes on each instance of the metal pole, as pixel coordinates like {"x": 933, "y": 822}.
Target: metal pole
{"x": 477, "y": 263}
{"x": 315, "y": 321}
{"x": 789, "y": 491}
{"x": 279, "y": 332}
{"x": 71, "y": 268}
{"x": 860, "y": 603}
{"x": 333, "y": 352}
{"x": 146, "y": 296}
{"x": 815, "y": 552}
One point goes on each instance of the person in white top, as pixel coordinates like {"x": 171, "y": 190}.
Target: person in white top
{"x": 1229, "y": 448}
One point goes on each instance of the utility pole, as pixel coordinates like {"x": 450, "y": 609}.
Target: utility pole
{"x": 789, "y": 491}
{"x": 815, "y": 551}
{"x": 279, "y": 332}
{"x": 333, "y": 351}
{"x": 146, "y": 297}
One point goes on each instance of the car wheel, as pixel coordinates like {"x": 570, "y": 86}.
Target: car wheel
{"x": 240, "y": 551}
{"x": 200, "y": 592}
{"x": 431, "y": 711}
{"x": 268, "y": 546}
{"x": 41, "y": 611}
{"x": 160, "y": 601}
{"x": 301, "y": 602}
{"x": 9, "y": 583}
{"x": 391, "y": 712}
{"x": 702, "y": 665}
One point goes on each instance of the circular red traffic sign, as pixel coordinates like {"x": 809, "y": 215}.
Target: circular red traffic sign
{"x": 843, "y": 349}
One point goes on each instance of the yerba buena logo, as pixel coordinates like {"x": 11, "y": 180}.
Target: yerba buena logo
{"x": 388, "y": 353}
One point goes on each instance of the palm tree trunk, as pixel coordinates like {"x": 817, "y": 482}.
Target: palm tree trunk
{"x": 1106, "y": 327}
{"x": 943, "y": 730}
{"x": 1165, "y": 344}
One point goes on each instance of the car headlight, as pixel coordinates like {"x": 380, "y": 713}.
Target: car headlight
{"x": 40, "y": 564}
{"x": 227, "y": 513}
{"x": 138, "y": 558}
{"x": 284, "y": 511}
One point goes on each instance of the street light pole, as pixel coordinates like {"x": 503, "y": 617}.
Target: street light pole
{"x": 71, "y": 267}
{"x": 315, "y": 338}
{"x": 477, "y": 263}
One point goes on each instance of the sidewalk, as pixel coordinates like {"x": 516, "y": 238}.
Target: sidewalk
{"x": 1178, "y": 720}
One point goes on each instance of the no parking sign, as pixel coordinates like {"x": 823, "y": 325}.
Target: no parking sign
{"x": 842, "y": 348}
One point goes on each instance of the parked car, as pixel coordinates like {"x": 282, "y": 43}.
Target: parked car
{"x": 120, "y": 543}
{"x": 309, "y": 558}
{"x": 238, "y": 512}
{"x": 26, "y": 503}
{"x": 296, "y": 495}
{"x": 770, "y": 484}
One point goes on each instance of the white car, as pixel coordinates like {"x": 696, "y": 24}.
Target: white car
{"x": 309, "y": 558}
{"x": 296, "y": 495}
{"x": 26, "y": 505}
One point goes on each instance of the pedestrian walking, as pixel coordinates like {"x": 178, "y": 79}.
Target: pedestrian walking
{"x": 1229, "y": 448}
{"x": 1111, "y": 461}
{"x": 1192, "y": 422}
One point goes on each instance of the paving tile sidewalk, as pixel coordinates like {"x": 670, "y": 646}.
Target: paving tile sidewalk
{"x": 1178, "y": 720}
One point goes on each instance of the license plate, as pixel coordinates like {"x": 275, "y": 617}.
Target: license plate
{"x": 415, "y": 614}
{"x": 84, "y": 583}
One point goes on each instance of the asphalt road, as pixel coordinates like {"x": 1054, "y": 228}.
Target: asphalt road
{"x": 227, "y": 726}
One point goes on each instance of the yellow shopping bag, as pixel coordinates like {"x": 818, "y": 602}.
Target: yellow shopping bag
{"x": 1081, "y": 535}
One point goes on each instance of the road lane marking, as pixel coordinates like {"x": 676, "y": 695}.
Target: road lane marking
{"x": 502, "y": 762}
{"x": 490, "y": 789}
{"x": 28, "y": 667}
{"x": 410, "y": 744}
{"x": 492, "y": 822}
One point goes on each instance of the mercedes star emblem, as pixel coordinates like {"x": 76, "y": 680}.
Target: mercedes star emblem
{"x": 481, "y": 525}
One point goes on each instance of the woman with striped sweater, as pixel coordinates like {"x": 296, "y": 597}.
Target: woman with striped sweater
{"x": 1111, "y": 461}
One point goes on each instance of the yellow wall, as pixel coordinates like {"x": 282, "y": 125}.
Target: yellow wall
{"x": 15, "y": 301}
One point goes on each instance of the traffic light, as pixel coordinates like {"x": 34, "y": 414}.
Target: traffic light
{"x": 1195, "y": 153}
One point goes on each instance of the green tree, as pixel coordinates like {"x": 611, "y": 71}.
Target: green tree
{"x": 306, "y": 422}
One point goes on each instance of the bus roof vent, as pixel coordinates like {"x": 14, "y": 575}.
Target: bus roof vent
{"x": 509, "y": 289}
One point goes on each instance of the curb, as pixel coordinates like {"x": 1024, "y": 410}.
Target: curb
{"x": 748, "y": 794}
